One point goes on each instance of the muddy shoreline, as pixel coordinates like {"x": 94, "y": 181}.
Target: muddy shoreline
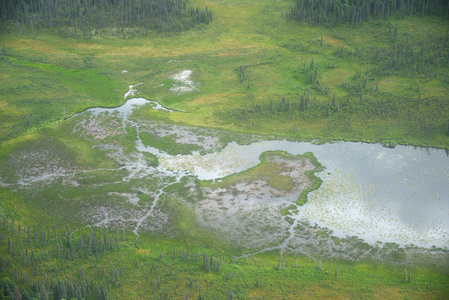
{"x": 243, "y": 203}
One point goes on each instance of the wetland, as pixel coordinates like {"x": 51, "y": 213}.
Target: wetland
{"x": 211, "y": 149}
{"x": 248, "y": 194}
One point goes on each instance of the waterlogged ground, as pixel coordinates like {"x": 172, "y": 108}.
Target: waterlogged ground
{"x": 379, "y": 194}
{"x": 139, "y": 172}
{"x": 247, "y": 207}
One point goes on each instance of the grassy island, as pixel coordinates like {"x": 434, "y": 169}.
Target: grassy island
{"x": 88, "y": 209}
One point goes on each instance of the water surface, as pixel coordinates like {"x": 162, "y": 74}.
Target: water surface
{"x": 396, "y": 195}
{"x": 379, "y": 194}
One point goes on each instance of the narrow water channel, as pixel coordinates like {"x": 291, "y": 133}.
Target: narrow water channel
{"x": 396, "y": 195}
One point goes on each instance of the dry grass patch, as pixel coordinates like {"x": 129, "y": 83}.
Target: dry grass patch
{"x": 391, "y": 83}
{"x": 35, "y": 45}
{"x": 334, "y": 77}
{"x": 332, "y": 41}
{"x": 200, "y": 117}
{"x": 213, "y": 99}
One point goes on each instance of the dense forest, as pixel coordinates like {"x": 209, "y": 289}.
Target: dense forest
{"x": 102, "y": 17}
{"x": 354, "y": 12}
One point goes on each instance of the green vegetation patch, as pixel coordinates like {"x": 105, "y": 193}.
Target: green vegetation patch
{"x": 42, "y": 93}
{"x": 168, "y": 144}
{"x": 271, "y": 170}
{"x": 62, "y": 262}
{"x": 311, "y": 174}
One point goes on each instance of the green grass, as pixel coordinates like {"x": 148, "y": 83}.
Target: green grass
{"x": 147, "y": 268}
{"x": 44, "y": 92}
{"x": 168, "y": 144}
{"x": 267, "y": 170}
{"x": 215, "y": 54}
{"x": 316, "y": 181}
{"x": 46, "y": 78}
{"x": 270, "y": 171}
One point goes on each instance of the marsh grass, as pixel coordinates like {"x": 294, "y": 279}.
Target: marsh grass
{"x": 242, "y": 35}
{"x": 271, "y": 171}
{"x": 266, "y": 170}
{"x": 167, "y": 144}
{"x": 150, "y": 266}
{"x": 46, "y": 79}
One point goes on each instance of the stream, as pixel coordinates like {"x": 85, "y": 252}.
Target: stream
{"x": 396, "y": 195}
{"x": 377, "y": 194}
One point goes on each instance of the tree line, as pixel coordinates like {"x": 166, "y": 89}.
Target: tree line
{"x": 419, "y": 113}
{"x": 61, "y": 263}
{"x": 102, "y": 17}
{"x": 336, "y": 12}
{"x": 425, "y": 59}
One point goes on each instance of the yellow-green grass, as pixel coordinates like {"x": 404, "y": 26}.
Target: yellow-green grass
{"x": 243, "y": 33}
{"x": 46, "y": 73}
{"x": 267, "y": 170}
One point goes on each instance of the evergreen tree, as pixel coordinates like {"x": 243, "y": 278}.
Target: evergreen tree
{"x": 99, "y": 17}
{"x": 42, "y": 295}
{"x": 6, "y": 286}
{"x": 60, "y": 291}
{"x": 17, "y": 294}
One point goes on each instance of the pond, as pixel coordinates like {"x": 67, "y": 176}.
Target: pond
{"x": 379, "y": 195}
{"x": 396, "y": 195}
{"x": 393, "y": 195}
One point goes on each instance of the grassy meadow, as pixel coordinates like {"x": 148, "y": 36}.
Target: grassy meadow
{"x": 244, "y": 63}
{"x": 255, "y": 75}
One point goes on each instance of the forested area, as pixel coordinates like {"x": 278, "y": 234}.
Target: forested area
{"x": 56, "y": 263}
{"x": 102, "y": 17}
{"x": 355, "y": 12}
{"x": 391, "y": 52}
{"x": 42, "y": 263}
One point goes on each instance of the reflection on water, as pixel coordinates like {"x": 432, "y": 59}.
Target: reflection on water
{"x": 392, "y": 195}
{"x": 379, "y": 194}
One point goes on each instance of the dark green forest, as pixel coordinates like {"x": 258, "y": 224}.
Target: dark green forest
{"x": 102, "y": 17}
{"x": 355, "y": 12}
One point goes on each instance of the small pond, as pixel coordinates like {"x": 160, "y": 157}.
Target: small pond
{"x": 398, "y": 195}
{"x": 379, "y": 194}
